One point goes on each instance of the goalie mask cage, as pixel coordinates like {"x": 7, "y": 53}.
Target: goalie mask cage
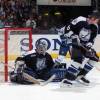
{"x": 13, "y": 43}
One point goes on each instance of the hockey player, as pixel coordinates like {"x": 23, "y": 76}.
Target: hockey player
{"x": 31, "y": 67}
{"x": 84, "y": 31}
{"x": 65, "y": 36}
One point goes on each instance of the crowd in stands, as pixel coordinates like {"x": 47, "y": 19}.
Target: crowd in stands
{"x": 23, "y": 13}
{"x": 17, "y": 13}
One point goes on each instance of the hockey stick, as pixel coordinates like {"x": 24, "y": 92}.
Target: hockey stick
{"x": 48, "y": 81}
{"x": 37, "y": 81}
{"x": 31, "y": 79}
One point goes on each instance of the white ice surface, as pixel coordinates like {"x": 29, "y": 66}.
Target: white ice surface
{"x": 52, "y": 91}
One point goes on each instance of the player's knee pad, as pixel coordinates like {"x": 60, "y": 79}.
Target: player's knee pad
{"x": 72, "y": 71}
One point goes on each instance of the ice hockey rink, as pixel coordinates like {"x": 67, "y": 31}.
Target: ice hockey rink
{"x": 53, "y": 91}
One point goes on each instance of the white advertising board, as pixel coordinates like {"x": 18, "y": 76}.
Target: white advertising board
{"x": 65, "y": 2}
{"x": 20, "y": 47}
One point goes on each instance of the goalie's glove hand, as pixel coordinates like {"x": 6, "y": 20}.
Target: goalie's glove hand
{"x": 89, "y": 45}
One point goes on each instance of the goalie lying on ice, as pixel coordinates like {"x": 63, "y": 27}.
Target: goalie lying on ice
{"x": 31, "y": 67}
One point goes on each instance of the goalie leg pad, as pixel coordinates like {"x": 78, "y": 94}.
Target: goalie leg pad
{"x": 13, "y": 76}
{"x": 16, "y": 78}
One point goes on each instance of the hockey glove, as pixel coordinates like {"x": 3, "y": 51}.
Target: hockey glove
{"x": 89, "y": 45}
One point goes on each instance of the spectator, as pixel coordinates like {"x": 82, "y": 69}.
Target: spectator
{"x": 2, "y": 23}
{"x": 20, "y": 9}
{"x": 31, "y": 22}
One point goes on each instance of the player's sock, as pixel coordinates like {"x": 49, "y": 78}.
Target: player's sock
{"x": 83, "y": 72}
{"x": 71, "y": 73}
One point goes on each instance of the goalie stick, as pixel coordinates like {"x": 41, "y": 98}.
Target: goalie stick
{"x": 37, "y": 81}
{"x": 30, "y": 78}
{"x": 48, "y": 81}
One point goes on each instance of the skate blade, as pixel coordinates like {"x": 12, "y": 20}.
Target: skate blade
{"x": 85, "y": 84}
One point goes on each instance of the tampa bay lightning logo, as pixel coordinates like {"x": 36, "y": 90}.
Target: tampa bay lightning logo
{"x": 41, "y": 63}
{"x": 84, "y": 34}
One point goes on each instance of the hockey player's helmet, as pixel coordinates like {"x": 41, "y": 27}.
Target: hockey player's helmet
{"x": 41, "y": 46}
{"x": 95, "y": 15}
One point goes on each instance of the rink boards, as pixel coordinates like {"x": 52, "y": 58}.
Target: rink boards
{"x": 21, "y": 47}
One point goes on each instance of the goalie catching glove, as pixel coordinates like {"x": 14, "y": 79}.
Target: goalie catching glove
{"x": 16, "y": 74}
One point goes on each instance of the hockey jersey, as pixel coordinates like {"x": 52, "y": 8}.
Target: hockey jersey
{"x": 86, "y": 32}
{"x": 79, "y": 26}
{"x": 38, "y": 62}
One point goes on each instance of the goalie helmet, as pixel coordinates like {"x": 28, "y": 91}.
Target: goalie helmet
{"x": 41, "y": 46}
